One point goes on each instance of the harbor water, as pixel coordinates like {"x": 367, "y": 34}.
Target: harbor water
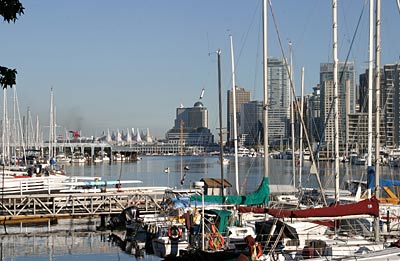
{"x": 78, "y": 239}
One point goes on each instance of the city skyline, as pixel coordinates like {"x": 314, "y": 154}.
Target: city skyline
{"x": 133, "y": 64}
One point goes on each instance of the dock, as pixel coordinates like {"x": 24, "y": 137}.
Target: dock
{"x": 14, "y": 208}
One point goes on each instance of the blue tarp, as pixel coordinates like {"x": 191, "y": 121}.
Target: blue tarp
{"x": 382, "y": 182}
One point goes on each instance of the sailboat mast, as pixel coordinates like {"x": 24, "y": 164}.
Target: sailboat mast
{"x": 14, "y": 127}
{"x": 181, "y": 146}
{"x": 265, "y": 82}
{"x": 235, "y": 142}
{"x": 37, "y": 137}
{"x": 221, "y": 139}
{"x": 51, "y": 125}
{"x": 301, "y": 127}
{"x": 378, "y": 109}
{"x": 370, "y": 78}
{"x": 292, "y": 100}
{"x": 336, "y": 105}
{"x": 3, "y": 136}
{"x": 377, "y": 95}
{"x": 28, "y": 124}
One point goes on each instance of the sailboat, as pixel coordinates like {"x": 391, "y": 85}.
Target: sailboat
{"x": 216, "y": 249}
{"x": 318, "y": 215}
{"x": 261, "y": 195}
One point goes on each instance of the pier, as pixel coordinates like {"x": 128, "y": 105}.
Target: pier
{"x": 14, "y": 208}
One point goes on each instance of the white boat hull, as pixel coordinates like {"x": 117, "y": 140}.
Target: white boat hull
{"x": 163, "y": 246}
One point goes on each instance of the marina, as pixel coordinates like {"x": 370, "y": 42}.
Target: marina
{"x": 310, "y": 177}
{"x": 150, "y": 170}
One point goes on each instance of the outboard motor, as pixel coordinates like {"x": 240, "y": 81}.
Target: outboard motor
{"x": 131, "y": 214}
{"x": 128, "y": 215}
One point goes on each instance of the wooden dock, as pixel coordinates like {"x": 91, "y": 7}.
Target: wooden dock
{"x": 64, "y": 205}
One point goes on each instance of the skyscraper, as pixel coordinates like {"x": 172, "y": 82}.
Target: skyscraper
{"x": 279, "y": 100}
{"x": 391, "y": 104}
{"x": 191, "y": 126}
{"x": 345, "y": 99}
{"x": 315, "y": 113}
{"x": 242, "y": 96}
{"x": 251, "y": 125}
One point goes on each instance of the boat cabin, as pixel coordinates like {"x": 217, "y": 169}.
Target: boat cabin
{"x": 213, "y": 186}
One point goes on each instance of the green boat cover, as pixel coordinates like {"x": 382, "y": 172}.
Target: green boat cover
{"x": 223, "y": 218}
{"x": 258, "y": 197}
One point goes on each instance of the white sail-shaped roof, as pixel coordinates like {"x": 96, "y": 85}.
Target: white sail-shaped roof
{"x": 118, "y": 137}
{"x": 148, "y": 137}
{"x": 128, "y": 136}
{"x": 138, "y": 138}
{"x": 108, "y": 139}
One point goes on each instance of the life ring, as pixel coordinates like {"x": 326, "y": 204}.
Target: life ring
{"x": 256, "y": 250}
{"x": 216, "y": 241}
{"x": 174, "y": 233}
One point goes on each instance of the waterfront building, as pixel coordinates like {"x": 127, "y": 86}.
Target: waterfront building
{"x": 191, "y": 127}
{"x": 314, "y": 110}
{"x": 308, "y": 120}
{"x": 278, "y": 101}
{"x": 278, "y": 113}
{"x": 358, "y": 132}
{"x": 363, "y": 108}
{"x": 242, "y": 96}
{"x": 251, "y": 125}
{"x": 390, "y": 91}
{"x": 345, "y": 99}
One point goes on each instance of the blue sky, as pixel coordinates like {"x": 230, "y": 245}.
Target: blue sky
{"x": 130, "y": 63}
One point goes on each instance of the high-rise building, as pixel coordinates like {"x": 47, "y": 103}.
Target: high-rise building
{"x": 345, "y": 99}
{"x": 191, "y": 126}
{"x": 278, "y": 101}
{"x": 242, "y": 96}
{"x": 390, "y": 92}
{"x": 357, "y": 137}
{"x": 251, "y": 125}
{"x": 315, "y": 113}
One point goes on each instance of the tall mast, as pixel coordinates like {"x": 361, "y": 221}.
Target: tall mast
{"x": 15, "y": 140}
{"x": 378, "y": 109}
{"x": 265, "y": 74}
{"x": 51, "y": 133}
{"x": 181, "y": 147}
{"x": 37, "y": 137}
{"x": 370, "y": 80}
{"x": 292, "y": 100}
{"x": 3, "y": 136}
{"x": 221, "y": 139}
{"x": 28, "y": 124}
{"x": 55, "y": 131}
{"x": 301, "y": 127}
{"x": 234, "y": 118}
{"x": 335, "y": 97}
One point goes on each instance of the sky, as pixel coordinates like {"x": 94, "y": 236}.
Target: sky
{"x": 129, "y": 63}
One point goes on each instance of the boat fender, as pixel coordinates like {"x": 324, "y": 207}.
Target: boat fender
{"x": 216, "y": 241}
{"x": 256, "y": 251}
{"x": 174, "y": 233}
{"x": 213, "y": 229}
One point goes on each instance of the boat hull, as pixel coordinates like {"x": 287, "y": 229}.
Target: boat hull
{"x": 164, "y": 247}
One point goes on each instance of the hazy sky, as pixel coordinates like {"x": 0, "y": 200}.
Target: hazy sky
{"x": 130, "y": 63}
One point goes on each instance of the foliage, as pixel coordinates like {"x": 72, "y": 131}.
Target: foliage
{"x": 10, "y": 9}
{"x": 7, "y": 77}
